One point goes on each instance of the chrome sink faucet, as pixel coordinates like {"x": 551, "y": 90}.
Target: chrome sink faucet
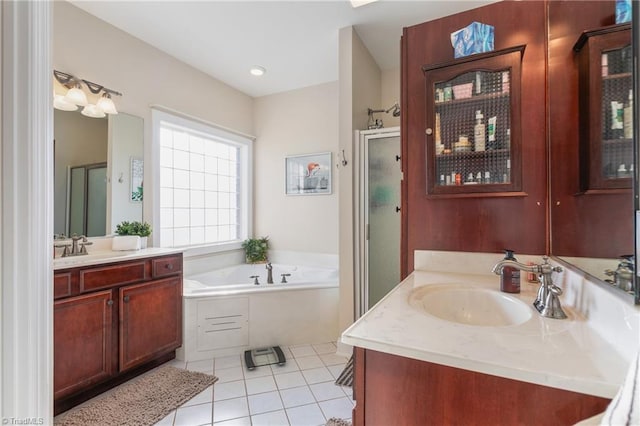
{"x": 547, "y": 301}
{"x": 269, "y": 267}
{"x": 73, "y": 249}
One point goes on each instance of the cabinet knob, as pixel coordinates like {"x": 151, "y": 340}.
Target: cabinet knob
{"x": 169, "y": 266}
{"x": 109, "y": 302}
{"x": 429, "y": 131}
{"x": 126, "y": 298}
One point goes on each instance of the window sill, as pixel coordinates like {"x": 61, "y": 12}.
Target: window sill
{"x": 201, "y": 250}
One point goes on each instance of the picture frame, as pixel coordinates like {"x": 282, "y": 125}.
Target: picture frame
{"x": 308, "y": 174}
{"x": 137, "y": 176}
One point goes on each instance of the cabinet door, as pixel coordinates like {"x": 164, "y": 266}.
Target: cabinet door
{"x": 83, "y": 347}
{"x": 473, "y": 124}
{"x": 150, "y": 320}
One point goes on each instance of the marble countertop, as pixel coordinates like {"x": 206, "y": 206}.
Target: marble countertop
{"x": 565, "y": 354}
{"x": 107, "y": 256}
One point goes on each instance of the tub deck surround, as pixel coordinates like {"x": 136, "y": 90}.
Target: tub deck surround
{"x": 565, "y": 354}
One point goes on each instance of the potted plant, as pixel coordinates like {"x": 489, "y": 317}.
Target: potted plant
{"x": 255, "y": 249}
{"x": 142, "y": 229}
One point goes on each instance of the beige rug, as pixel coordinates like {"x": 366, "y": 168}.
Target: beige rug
{"x": 337, "y": 422}
{"x": 143, "y": 401}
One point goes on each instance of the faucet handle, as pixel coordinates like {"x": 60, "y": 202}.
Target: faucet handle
{"x": 284, "y": 278}
{"x": 255, "y": 279}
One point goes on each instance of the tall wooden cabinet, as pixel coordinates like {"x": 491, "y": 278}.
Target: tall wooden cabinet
{"x": 113, "y": 321}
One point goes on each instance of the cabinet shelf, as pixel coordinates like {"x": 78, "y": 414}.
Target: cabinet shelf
{"x": 620, "y": 76}
{"x": 473, "y": 99}
{"x": 473, "y": 154}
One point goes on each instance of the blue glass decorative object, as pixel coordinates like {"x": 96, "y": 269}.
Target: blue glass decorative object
{"x": 474, "y": 38}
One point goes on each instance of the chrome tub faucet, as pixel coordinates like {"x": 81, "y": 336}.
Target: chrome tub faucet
{"x": 547, "y": 301}
{"x": 269, "y": 267}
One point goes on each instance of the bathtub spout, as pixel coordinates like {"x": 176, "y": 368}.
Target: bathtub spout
{"x": 269, "y": 273}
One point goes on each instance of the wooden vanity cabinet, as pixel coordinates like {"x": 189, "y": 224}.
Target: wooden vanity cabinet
{"x": 112, "y": 322}
{"x": 394, "y": 390}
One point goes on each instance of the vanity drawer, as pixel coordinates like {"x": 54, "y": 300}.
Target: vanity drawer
{"x": 165, "y": 266}
{"x": 108, "y": 276}
{"x": 61, "y": 285}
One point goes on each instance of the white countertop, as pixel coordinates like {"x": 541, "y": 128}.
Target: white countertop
{"x": 565, "y": 354}
{"x": 106, "y": 256}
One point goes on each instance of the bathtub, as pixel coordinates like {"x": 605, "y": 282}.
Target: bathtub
{"x": 225, "y": 313}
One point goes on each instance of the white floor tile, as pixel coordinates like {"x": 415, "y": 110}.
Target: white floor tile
{"x": 306, "y": 415}
{"x": 261, "y": 371}
{"x": 290, "y": 380}
{"x": 167, "y": 421}
{"x": 340, "y": 408}
{"x": 229, "y": 390}
{"x": 264, "y": 402}
{"x": 193, "y": 415}
{"x": 317, "y": 375}
{"x": 348, "y": 390}
{"x": 333, "y": 359}
{"x": 295, "y": 397}
{"x": 326, "y": 390}
{"x": 260, "y": 384}
{"x": 325, "y": 348}
{"x": 205, "y": 366}
{"x": 206, "y": 396}
{"x": 290, "y": 366}
{"x": 242, "y": 421}
{"x": 229, "y": 374}
{"x": 335, "y": 370}
{"x": 302, "y": 350}
{"x": 227, "y": 362}
{"x": 230, "y": 409}
{"x": 307, "y": 362}
{"x": 275, "y": 418}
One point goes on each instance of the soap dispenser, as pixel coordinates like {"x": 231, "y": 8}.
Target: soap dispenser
{"x": 510, "y": 277}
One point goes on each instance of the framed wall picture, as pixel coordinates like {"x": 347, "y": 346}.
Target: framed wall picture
{"x": 308, "y": 174}
{"x": 137, "y": 174}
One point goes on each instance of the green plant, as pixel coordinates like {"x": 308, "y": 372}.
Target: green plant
{"x": 142, "y": 229}
{"x": 255, "y": 249}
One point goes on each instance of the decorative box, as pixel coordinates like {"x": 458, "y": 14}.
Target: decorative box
{"x": 474, "y": 38}
{"x": 623, "y": 11}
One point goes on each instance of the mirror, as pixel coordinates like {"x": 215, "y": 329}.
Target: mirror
{"x": 591, "y": 228}
{"x": 97, "y": 172}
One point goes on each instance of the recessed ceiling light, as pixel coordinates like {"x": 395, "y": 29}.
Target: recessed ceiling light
{"x": 358, "y": 3}
{"x": 257, "y": 70}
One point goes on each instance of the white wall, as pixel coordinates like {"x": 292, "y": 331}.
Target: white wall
{"x": 390, "y": 94}
{"x": 303, "y": 121}
{"x": 91, "y": 49}
{"x": 359, "y": 89}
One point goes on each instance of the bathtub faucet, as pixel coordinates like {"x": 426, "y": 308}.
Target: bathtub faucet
{"x": 269, "y": 267}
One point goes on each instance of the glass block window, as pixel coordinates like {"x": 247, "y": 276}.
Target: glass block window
{"x": 203, "y": 195}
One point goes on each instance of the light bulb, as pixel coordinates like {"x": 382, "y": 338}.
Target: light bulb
{"x": 59, "y": 102}
{"x": 92, "y": 111}
{"x": 105, "y": 103}
{"x": 76, "y": 96}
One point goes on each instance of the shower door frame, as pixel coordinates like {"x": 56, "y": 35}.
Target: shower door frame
{"x": 361, "y": 299}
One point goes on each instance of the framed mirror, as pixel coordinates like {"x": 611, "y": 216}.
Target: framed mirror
{"x": 96, "y": 185}
{"x": 592, "y": 219}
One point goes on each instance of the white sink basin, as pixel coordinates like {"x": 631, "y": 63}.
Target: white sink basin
{"x": 464, "y": 304}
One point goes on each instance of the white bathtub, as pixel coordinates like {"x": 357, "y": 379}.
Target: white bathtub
{"x": 226, "y": 314}
{"x": 238, "y": 280}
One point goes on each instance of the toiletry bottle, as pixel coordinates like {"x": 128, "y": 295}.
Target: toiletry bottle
{"x": 478, "y": 133}
{"x": 510, "y": 277}
{"x": 628, "y": 117}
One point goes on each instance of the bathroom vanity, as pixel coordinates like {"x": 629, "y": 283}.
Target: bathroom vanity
{"x": 116, "y": 315}
{"x": 446, "y": 347}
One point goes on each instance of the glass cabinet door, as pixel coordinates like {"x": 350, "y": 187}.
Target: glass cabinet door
{"x": 604, "y": 61}
{"x": 473, "y": 124}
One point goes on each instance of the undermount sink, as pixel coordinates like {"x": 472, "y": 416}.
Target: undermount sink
{"x": 464, "y": 304}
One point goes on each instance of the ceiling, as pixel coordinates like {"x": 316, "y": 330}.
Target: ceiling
{"x": 296, "y": 41}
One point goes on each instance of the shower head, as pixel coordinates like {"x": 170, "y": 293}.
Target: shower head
{"x": 395, "y": 108}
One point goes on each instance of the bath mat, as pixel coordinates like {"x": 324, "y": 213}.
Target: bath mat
{"x": 337, "y": 422}
{"x": 143, "y": 401}
{"x": 346, "y": 377}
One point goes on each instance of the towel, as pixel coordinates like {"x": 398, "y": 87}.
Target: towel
{"x": 624, "y": 409}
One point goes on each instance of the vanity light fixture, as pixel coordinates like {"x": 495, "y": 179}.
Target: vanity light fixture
{"x": 257, "y": 70}
{"x": 76, "y": 96}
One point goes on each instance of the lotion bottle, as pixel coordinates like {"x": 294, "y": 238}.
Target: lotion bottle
{"x": 509, "y": 277}
{"x": 479, "y": 132}
{"x": 628, "y": 117}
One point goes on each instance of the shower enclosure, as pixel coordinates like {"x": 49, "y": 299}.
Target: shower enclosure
{"x": 378, "y": 221}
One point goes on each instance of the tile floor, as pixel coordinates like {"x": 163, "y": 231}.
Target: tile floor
{"x": 300, "y": 393}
